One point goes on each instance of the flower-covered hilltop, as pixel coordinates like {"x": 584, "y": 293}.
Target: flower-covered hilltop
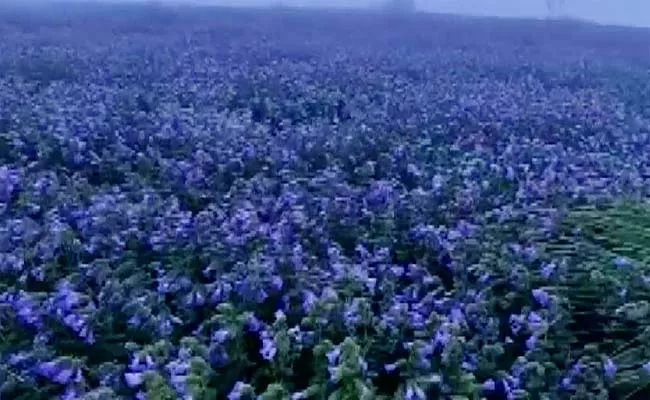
{"x": 277, "y": 204}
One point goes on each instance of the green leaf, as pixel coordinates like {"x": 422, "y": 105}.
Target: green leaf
{"x": 275, "y": 391}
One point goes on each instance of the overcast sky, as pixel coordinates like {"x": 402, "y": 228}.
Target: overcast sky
{"x": 622, "y": 12}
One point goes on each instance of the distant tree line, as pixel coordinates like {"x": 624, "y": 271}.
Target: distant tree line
{"x": 400, "y": 5}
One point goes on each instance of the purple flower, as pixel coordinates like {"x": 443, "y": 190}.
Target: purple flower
{"x": 66, "y": 297}
{"x": 220, "y": 336}
{"x": 134, "y": 379}
{"x": 26, "y": 308}
{"x": 178, "y": 375}
{"x": 507, "y": 389}
{"x": 609, "y": 368}
{"x": 566, "y": 382}
{"x": 268, "y": 349}
{"x": 535, "y": 322}
{"x": 178, "y": 383}
{"x": 195, "y": 299}
{"x": 390, "y": 367}
{"x": 441, "y": 338}
{"x": 138, "y": 365}
{"x": 516, "y": 323}
{"x": 299, "y": 396}
{"x": 531, "y": 342}
{"x": 165, "y": 326}
{"x": 178, "y": 367}
{"x": 542, "y": 297}
{"x": 277, "y": 283}
{"x": 329, "y": 294}
{"x": 380, "y": 194}
{"x": 61, "y": 372}
{"x": 416, "y": 320}
{"x": 309, "y": 300}
{"x": 253, "y": 324}
{"x": 530, "y": 253}
{"x": 547, "y": 270}
{"x": 456, "y": 316}
{"x": 16, "y": 359}
{"x": 9, "y": 180}
{"x": 70, "y": 394}
{"x": 489, "y": 385}
{"x": 576, "y": 369}
{"x": 414, "y": 392}
{"x": 239, "y": 390}
{"x": 620, "y": 262}
{"x": 437, "y": 182}
{"x": 219, "y": 291}
{"x": 333, "y": 356}
{"x": 74, "y": 321}
{"x": 484, "y": 278}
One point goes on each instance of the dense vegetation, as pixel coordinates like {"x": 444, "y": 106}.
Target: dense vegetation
{"x": 213, "y": 203}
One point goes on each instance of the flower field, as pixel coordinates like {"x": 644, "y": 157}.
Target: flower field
{"x": 210, "y": 203}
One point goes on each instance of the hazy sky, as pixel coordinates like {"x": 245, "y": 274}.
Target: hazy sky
{"x": 623, "y": 12}
{"x": 619, "y": 12}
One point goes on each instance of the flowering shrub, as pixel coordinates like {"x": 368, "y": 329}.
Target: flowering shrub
{"x": 284, "y": 205}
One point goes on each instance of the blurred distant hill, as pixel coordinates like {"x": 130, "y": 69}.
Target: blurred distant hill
{"x": 616, "y": 12}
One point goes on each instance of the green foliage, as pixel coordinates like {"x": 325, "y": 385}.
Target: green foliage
{"x": 100, "y": 394}
{"x": 606, "y": 286}
{"x": 156, "y": 388}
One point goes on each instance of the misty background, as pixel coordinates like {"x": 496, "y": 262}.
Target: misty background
{"x": 617, "y": 12}
{"x": 611, "y": 12}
